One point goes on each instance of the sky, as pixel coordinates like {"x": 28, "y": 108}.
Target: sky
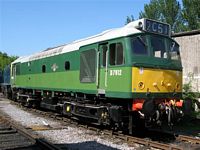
{"x": 30, "y": 26}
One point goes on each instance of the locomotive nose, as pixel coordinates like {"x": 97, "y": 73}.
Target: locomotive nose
{"x": 155, "y": 80}
{"x": 158, "y": 93}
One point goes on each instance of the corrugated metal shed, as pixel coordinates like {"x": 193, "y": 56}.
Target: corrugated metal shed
{"x": 190, "y": 52}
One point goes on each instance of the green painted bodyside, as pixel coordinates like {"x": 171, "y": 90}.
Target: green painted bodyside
{"x": 118, "y": 86}
{"x": 31, "y": 76}
{"x": 35, "y": 66}
{"x": 69, "y": 81}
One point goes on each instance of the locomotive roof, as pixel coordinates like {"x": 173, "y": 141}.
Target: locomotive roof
{"x": 75, "y": 45}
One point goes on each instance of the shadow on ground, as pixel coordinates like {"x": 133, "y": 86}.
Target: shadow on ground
{"x": 88, "y": 145}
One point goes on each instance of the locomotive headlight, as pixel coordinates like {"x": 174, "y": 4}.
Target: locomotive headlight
{"x": 140, "y": 25}
{"x": 169, "y": 84}
{"x": 154, "y": 84}
{"x": 141, "y": 85}
{"x": 68, "y": 108}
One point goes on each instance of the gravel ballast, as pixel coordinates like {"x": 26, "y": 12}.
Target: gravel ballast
{"x": 66, "y": 136}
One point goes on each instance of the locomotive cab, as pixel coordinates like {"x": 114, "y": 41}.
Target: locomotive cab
{"x": 156, "y": 74}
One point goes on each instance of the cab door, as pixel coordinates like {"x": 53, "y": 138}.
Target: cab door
{"x": 103, "y": 68}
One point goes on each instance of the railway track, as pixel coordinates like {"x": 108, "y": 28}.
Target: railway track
{"x": 188, "y": 139}
{"x": 178, "y": 144}
{"x": 13, "y": 136}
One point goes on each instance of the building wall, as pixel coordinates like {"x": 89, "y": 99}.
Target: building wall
{"x": 190, "y": 54}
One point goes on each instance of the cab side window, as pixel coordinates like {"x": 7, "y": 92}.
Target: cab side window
{"x": 116, "y": 54}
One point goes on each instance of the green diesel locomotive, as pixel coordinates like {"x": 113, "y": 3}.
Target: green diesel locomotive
{"x": 121, "y": 77}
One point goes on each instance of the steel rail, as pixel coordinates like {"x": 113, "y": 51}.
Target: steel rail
{"x": 40, "y": 142}
{"x": 127, "y": 138}
{"x": 188, "y": 139}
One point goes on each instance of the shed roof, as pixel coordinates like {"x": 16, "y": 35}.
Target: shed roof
{"x": 187, "y": 33}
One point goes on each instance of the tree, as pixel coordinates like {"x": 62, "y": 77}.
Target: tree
{"x": 151, "y": 10}
{"x": 171, "y": 13}
{"x": 191, "y": 14}
{"x": 168, "y": 11}
{"x": 6, "y": 60}
{"x": 129, "y": 19}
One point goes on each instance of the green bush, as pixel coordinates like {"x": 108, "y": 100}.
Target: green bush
{"x": 191, "y": 94}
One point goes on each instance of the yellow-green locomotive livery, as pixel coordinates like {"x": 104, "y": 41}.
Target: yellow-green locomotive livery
{"x": 118, "y": 77}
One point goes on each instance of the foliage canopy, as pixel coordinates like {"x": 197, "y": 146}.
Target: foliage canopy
{"x": 6, "y": 60}
{"x": 181, "y": 18}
